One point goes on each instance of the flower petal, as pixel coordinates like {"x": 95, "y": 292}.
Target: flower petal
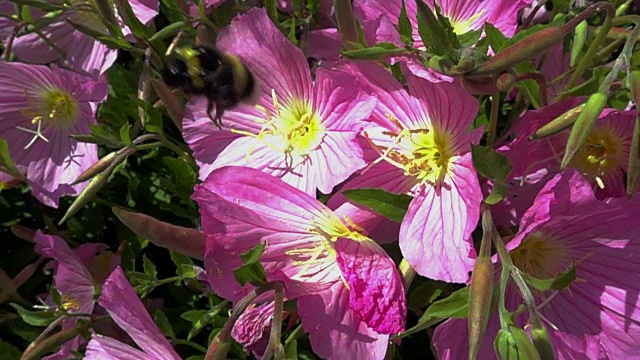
{"x": 126, "y": 309}
{"x": 106, "y": 348}
{"x": 272, "y": 58}
{"x": 335, "y": 331}
{"x": 435, "y": 233}
{"x": 376, "y": 293}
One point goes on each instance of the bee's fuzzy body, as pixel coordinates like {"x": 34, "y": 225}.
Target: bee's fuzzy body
{"x": 220, "y": 77}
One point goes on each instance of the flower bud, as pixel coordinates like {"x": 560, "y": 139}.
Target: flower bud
{"x": 481, "y": 289}
{"x": 525, "y": 49}
{"x": 505, "y": 81}
{"x": 558, "y": 124}
{"x": 87, "y": 194}
{"x": 514, "y": 344}
{"x": 96, "y": 168}
{"x": 542, "y": 342}
{"x": 185, "y": 241}
{"x": 479, "y": 302}
{"x": 170, "y": 100}
{"x": 581, "y": 129}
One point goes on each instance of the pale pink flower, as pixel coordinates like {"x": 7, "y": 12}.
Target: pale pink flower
{"x": 423, "y": 144}
{"x": 126, "y": 310}
{"x": 39, "y": 108}
{"x": 596, "y": 316}
{"x": 349, "y": 294}
{"x": 73, "y": 48}
{"x": 302, "y": 130}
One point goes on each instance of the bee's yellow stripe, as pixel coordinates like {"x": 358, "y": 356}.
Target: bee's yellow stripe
{"x": 240, "y": 75}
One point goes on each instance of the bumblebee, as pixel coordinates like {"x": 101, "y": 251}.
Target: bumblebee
{"x": 222, "y": 78}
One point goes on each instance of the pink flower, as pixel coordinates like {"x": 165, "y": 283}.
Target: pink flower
{"x": 73, "y": 280}
{"x": 303, "y": 131}
{"x": 349, "y": 294}
{"x": 78, "y": 50}
{"x": 253, "y": 326}
{"x": 39, "y": 108}
{"x": 126, "y": 309}
{"x": 422, "y": 143}
{"x": 603, "y": 160}
{"x": 596, "y": 316}
{"x": 380, "y": 17}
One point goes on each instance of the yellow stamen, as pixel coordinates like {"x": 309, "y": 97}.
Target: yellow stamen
{"x": 421, "y": 153}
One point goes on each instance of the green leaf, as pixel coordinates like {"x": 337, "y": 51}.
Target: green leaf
{"x": 193, "y": 316}
{"x": 204, "y": 320}
{"x": 494, "y": 36}
{"x": 124, "y": 134}
{"x": 34, "y": 318}
{"x": 252, "y": 271}
{"x": 291, "y": 350}
{"x": 489, "y": 163}
{"x": 470, "y": 38}
{"x": 138, "y": 29}
{"x": 104, "y": 136}
{"x": 426, "y": 293}
{"x": 404, "y": 25}
{"x": 111, "y": 42}
{"x": 392, "y": 206}
{"x": 455, "y": 305}
{"x": 436, "y": 32}
{"x": 187, "y": 271}
{"x": 9, "y": 352}
{"x": 529, "y": 87}
{"x": 163, "y": 324}
{"x": 498, "y": 192}
{"x": 149, "y": 267}
{"x": 6, "y": 161}
{"x": 378, "y": 52}
{"x": 184, "y": 265}
{"x": 578, "y": 42}
{"x": 272, "y": 10}
{"x": 558, "y": 282}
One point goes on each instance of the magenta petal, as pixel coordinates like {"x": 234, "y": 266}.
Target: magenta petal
{"x": 126, "y": 309}
{"x": 324, "y": 44}
{"x": 72, "y": 278}
{"x": 435, "y": 233}
{"x": 451, "y": 109}
{"x": 253, "y": 327}
{"x": 273, "y": 59}
{"x": 376, "y": 294}
{"x": 334, "y": 329}
{"x": 220, "y": 264}
{"x": 105, "y": 348}
{"x": 286, "y": 206}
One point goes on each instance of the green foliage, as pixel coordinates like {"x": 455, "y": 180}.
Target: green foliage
{"x": 392, "y": 206}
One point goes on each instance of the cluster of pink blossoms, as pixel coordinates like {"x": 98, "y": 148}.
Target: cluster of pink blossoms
{"x": 339, "y": 126}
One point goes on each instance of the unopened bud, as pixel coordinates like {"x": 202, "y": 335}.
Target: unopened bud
{"x": 481, "y": 288}
{"x": 558, "y": 124}
{"x": 170, "y": 101}
{"x": 96, "y": 168}
{"x": 505, "y": 81}
{"x": 583, "y": 125}
{"x": 542, "y": 342}
{"x": 185, "y": 241}
{"x": 87, "y": 194}
{"x": 525, "y": 49}
{"x": 514, "y": 344}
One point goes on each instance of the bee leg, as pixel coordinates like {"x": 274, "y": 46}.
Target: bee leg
{"x": 219, "y": 113}
{"x": 216, "y": 120}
